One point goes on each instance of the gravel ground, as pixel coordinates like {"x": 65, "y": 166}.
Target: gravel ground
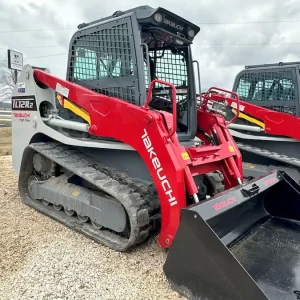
{"x": 5, "y": 141}
{"x": 42, "y": 259}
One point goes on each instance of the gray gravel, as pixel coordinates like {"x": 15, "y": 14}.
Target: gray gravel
{"x": 42, "y": 259}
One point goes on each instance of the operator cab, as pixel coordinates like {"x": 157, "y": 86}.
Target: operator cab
{"x": 272, "y": 86}
{"x": 120, "y": 55}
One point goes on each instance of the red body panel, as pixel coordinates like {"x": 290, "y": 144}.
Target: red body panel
{"x": 276, "y": 123}
{"x": 226, "y": 157}
{"x": 145, "y": 130}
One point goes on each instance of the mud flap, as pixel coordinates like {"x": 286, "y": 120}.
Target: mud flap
{"x": 243, "y": 244}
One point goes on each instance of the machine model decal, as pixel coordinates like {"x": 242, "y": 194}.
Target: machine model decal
{"x": 26, "y": 103}
{"x": 224, "y": 203}
{"x": 269, "y": 181}
{"x": 159, "y": 170}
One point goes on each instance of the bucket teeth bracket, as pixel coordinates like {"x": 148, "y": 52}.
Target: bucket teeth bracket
{"x": 251, "y": 192}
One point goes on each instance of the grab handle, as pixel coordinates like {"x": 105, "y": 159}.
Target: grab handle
{"x": 173, "y": 102}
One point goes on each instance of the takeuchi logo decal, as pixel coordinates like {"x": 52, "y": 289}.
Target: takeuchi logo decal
{"x": 21, "y": 115}
{"x": 173, "y": 24}
{"x": 158, "y": 169}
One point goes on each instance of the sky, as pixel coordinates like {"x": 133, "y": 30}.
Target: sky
{"x": 233, "y": 33}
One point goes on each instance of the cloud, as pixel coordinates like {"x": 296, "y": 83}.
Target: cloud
{"x": 38, "y": 41}
{"x": 219, "y": 63}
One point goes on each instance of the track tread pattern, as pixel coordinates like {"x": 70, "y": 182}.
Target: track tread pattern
{"x": 270, "y": 154}
{"x": 140, "y": 202}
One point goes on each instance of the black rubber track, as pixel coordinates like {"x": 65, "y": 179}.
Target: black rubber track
{"x": 140, "y": 202}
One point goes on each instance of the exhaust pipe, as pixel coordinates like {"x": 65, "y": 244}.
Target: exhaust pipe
{"x": 242, "y": 244}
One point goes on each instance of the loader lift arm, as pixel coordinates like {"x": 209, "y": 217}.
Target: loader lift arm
{"x": 270, "y": 122}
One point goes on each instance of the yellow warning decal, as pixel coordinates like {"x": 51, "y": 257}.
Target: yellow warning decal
{"x": 77, "y": 110}
{"x": 75, "y": 193}
{"x": 60, "y": 99}
{"x": 74, "y": 108}
{"x": 250, "y": 119}
{"x": 185, "y": 156}
{"x": 230, "y": 148}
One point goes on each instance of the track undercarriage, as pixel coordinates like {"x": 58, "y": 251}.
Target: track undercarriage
{"x": 104, "y": 204}
{"x": 86, "y": 196}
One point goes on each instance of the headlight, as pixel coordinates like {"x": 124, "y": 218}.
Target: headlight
{"x": 157, "y": 17}
{"x": 191, "y": 33}
{"x": 178, "y": 42}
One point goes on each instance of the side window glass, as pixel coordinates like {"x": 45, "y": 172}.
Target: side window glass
{"x": 288, "y": 90}
{"x": 103, "y": 67}
{"x": 102, "y": 55}
{"x": 171, "y": 67}
{"x": 243, "y": 88}
{"x": 97, "y": 57}
{"x": 267, "y": 86}
{"x": 259, "y": 92}
{"x": 282, "y": 87}
{"x": 85, "y": 64}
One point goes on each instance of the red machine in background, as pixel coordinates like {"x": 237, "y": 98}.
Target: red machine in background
{"x": 267, "y": 129}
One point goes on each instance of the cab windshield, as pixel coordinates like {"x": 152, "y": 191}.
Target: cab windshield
{"x": 168, "y": 59}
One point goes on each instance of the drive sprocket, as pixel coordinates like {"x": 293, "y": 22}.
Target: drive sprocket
{"x": 44, "y": 166}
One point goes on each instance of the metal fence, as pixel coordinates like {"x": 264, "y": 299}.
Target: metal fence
{"x": 5, "y": 118}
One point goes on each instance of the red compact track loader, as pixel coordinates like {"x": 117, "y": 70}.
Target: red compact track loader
{"x": 267, "y": 130}
{"x": 120, "y": 151}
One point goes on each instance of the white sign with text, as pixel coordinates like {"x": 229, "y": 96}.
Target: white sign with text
{"x": 15, "y": 60}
